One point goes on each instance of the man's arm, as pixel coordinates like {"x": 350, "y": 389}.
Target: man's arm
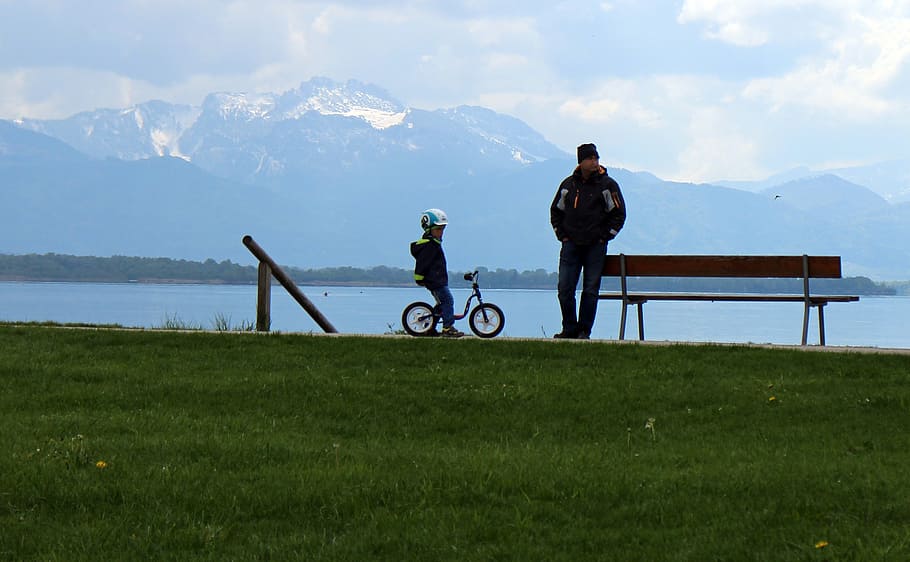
{"x": 557, "y": 212}
{"x": 616, "y": 210}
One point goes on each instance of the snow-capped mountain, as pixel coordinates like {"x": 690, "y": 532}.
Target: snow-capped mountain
{"x": 142, "y": 131}
{"x": 352, "y": 99}
{"x": 266, "y": 137}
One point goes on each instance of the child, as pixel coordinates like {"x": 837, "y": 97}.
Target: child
{"x": 430, "y": 270}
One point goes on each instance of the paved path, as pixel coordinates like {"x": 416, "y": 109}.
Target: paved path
{"x": 810, "y": 348}
{"x": 824, "y": 349}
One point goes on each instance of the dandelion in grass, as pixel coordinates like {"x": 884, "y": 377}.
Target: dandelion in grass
{"x": 772, "y": 399}
{"x": 101, "y": 465}
{"x": 821, "y": 544}
{"x": 649, "y": 425}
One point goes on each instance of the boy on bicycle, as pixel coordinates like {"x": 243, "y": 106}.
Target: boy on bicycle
{"x": 430, "y": 269}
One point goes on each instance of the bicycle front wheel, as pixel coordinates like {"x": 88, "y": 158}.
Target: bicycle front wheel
{"x": 418, "y": 319}
{"x": 487, "y": 320}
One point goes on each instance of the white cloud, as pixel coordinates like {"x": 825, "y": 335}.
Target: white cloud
{"x": 37, "y": 93}
{"x": 494, "y": 32}
{"x": 828, "y": 89}
{"x": 323, "y": 22}
{"x": 506, "y": 61}
{"x": 889, "y": 41}
{"x": 745, "y": 23}
{"x": 613, "y": 100}
{"x": 738, "y": 34}
{"x": 597, "y": 110}
{"x": 851, "y": 78}
{"x": 717, "y": 149}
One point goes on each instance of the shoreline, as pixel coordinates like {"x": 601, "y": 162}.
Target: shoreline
{"x": 275, "y": 283}
{"x": 155, "y": 281}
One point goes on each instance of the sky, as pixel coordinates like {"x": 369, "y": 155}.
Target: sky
{"x": 690, "y": 90}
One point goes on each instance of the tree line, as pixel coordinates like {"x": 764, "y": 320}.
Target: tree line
{"x": 126, "y": 269}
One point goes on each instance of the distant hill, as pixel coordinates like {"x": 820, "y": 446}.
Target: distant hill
{"x": 22, "y": 147}
{"x": 889, "y": 179}
{"x": 829, "y": 197}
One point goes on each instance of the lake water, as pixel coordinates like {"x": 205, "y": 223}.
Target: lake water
{"x": 873, "y": 321}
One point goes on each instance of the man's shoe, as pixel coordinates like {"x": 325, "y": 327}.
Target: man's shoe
{"x": 583, "y": 335}
{"x": 565, "y": 335}
{"x": 451, "y": 332}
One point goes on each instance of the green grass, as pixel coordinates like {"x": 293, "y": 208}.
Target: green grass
{"x": 228, "y": 446}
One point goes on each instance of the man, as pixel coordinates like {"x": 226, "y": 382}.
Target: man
{"x": 587, "y": 212}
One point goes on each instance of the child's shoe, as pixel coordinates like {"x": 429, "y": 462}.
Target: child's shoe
{"x": 451, "y": 332}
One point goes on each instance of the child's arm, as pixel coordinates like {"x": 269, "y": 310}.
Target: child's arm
{"x": 422, "y": 260}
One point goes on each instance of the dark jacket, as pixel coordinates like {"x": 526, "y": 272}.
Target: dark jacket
{"x": 588, "y": 211}
{"x": 430, "y": 269}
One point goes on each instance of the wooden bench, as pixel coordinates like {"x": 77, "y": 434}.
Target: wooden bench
{"x": 802, "y": 267}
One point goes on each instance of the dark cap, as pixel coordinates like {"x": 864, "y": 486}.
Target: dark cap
{"x": 586, "y": 151}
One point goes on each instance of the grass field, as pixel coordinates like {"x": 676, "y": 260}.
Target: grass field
{"x": 152, "y": 445}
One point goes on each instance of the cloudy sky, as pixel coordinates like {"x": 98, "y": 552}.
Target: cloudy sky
{"x": 693, "y": 90}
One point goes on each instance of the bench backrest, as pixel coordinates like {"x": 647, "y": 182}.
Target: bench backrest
{"x": 723, "y": 266}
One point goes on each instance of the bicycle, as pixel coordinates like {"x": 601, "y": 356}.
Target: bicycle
{"x": 486, "y": 319}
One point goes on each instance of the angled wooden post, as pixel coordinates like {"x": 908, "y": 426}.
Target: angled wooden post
{"x": 288, "y": 285}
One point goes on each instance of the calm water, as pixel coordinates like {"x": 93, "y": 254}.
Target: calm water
{"x": 873, "y": 321}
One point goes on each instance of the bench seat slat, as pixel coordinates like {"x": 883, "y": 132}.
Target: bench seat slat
{"x": 641, "y": 297}
{"x": 722, "y": 266}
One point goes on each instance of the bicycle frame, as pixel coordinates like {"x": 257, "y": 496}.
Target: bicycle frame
{"x": 475, "y": 294}
{"x": 467, "y": 303}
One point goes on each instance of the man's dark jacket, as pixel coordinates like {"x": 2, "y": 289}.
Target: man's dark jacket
{"x": 588, "y": 211}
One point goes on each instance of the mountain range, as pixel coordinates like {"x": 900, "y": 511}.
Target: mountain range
{"x": 333, "y": 173}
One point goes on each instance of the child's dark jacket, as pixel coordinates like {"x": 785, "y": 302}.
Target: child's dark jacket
{"x": 430, "y": 269}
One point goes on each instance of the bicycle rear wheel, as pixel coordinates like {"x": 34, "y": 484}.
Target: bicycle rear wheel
{"x": 418, "y": 319}
{"x": 487, "y": 320}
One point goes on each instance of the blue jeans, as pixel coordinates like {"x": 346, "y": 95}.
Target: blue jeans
{"x": 573, "y": 260}
{"x": 446, "y": 304}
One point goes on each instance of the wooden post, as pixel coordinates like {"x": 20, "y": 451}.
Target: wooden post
{"x": 264, "y": 298}
{"x": 288, "y": 285}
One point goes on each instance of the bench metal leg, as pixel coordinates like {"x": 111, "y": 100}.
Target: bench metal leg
{"x": 805, "y": 323}
{"x": 641, "y": 322}
{"x": 622, "y": 321}
{"x": 624, "y": 316}
{"x": 821, "y": 323}
{"x": 820, "y": 308}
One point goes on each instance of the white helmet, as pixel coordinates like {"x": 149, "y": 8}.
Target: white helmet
{"x": 432, "y": 218}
